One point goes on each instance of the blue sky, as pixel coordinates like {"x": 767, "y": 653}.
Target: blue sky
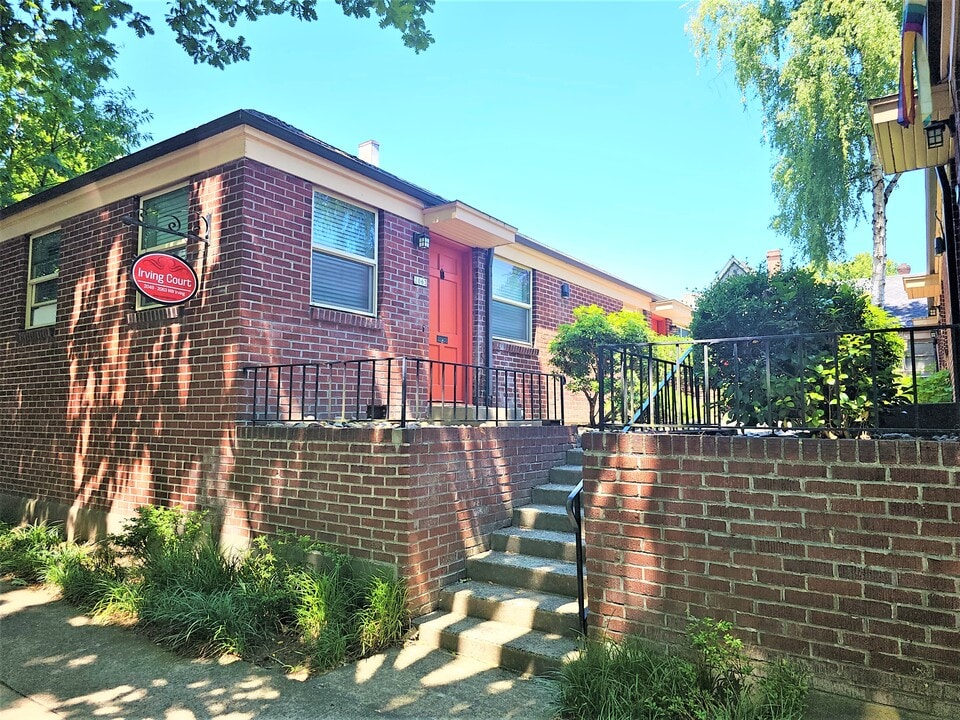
{"x": 584, "y": 124}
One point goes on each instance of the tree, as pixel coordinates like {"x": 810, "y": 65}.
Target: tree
{"x": 829, "y": 381}
{"x": 55, "y": 59}
{"x": 573, "y": 351}
{"x": 860, "y": 267}
{"x": 60, "y": 120}
{"x": 813, "y": 65}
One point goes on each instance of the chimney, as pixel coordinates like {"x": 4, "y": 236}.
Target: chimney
{"x": 903, "y": 269}
{"x": 369, "y": 152}
{"x": 774, "y": 261}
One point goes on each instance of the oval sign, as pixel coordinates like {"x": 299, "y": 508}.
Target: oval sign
{"x": 164, "y": 278}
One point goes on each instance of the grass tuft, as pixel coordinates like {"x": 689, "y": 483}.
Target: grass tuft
{"x": 166, "y": 574}
{"x": 636, "y": 680}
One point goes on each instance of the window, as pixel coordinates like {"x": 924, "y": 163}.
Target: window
{"x": 344, "y": 256}
{"x": 168, "y": 210}
{"x": 511, "y": 308}
{"x": 42, "y": 280}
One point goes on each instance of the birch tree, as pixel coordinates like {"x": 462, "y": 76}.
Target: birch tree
{"x": 812, "y": 65}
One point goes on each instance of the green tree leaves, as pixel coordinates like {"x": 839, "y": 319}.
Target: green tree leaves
{"x": 831, "y": 381}
{"x": 573, "y": 351}
{"x": 812, "y": 65}
{"x": 56, "y": 57}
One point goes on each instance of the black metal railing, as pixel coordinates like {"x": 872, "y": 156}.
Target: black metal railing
{"x": 401, "y": 390}
{"x": 894, "y": 378}
{"x": 575, "y": 514}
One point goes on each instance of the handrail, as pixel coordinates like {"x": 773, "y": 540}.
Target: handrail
{"x": 674, "y": 366}
{"x": 575, "y": 513}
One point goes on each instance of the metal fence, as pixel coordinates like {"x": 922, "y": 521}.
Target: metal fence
{"x": 893, "y": 379}
{"x": 401, "y": 390}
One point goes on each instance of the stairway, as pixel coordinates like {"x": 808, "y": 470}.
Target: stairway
{"x": 517, "y": 609}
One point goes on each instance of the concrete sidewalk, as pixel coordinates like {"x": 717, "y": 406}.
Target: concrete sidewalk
{"x": 56, "y": 663}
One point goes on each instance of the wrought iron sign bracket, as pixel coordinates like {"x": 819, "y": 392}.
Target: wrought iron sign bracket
{"x": 205, "y": 222}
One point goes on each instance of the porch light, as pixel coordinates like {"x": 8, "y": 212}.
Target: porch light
{"x": 933, "y": 311}
{"x": 421, "y": 240}
{"x": 934, "y": 136}
{"x": 564, "y": 290}
{"x": 935, "y": 131}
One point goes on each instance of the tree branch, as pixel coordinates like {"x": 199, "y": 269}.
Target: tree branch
{"x": 889, "y": 188}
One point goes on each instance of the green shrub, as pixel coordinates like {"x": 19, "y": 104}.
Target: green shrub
{"x": 815, "y": 381}
{"x": 383, "y": 619}
{"x": 713, "y": 680}
{"x": 26, "y": 551}
{"x": 574, "y": 349}
{"x": 165, "y": 573}
{"x": 934, "y": 388}
{"x": 205, "y": 623}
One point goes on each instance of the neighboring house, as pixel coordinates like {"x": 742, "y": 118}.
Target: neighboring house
{"x": 305, "y": 254}
{"x": 934, "y": 150}
{"x": 732, "y": 268}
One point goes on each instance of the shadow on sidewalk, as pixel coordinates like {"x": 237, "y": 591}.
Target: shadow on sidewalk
{"x": 56, "y": 662}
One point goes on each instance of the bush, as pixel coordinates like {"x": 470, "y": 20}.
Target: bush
{"x": 574, "y": 349}
{"x": 934, "y": 388}
{"x": 713, "y": 680}
{"x": 26, "y": 552}
{"x": 808, "y": 387}
{"x": 166, "y": 574}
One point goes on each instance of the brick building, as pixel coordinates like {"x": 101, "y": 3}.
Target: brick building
{"x": 304, "y": 253}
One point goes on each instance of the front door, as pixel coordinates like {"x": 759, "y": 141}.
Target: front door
{"x": 449, "y": 321}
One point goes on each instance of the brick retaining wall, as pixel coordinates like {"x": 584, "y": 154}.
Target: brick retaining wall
{"x": 422, "y": 499}
{"x": 844, "y": 554}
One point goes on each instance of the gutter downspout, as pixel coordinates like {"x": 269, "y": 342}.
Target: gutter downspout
{"x": 950, "y": 241}
{"x": 487, "y": 333}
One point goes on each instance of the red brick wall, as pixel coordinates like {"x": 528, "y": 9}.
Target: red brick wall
{"x": 843, "y": 554}
{"x": 111, "y": 408}
{"x": 276, "y": 316}
{"x": 108, "y": 408}
{"x": 420, "y": 499}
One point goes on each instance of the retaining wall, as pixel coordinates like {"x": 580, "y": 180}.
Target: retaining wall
{"x": 843, "y": 554}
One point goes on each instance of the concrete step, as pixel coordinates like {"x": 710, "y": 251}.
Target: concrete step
{"x": 552, "y": 494}
{"x": 514, "y": 606}
{"x": 542, "y": 517}
{"x": 540, "y": 543}
{"x": 566, "y": 474}
{"x": 512, "y": 647}
{"x": 575, "y": 456}
{"x": 558, "y": 577}
{"x": 460, "y": 412}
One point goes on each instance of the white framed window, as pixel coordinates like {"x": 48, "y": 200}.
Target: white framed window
{"x": 511, "y": 306}
{"x": 168, "y": 209}
{"x": 344, "y": 256}
{"x": 42, "y": 278}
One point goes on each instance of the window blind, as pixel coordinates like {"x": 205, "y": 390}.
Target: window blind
{"x": 341, "y": 283}
{"x": 167, "y": 211}
{"x": 340, "y": 226}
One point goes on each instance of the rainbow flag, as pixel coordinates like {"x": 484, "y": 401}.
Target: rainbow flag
{"x": 913, "y": 52}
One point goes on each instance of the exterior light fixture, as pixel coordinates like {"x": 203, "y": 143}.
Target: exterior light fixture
{"x": 935, "y": 132}
{"x": 933, "y": 311}
{"x": 934, "y": 136}
{"x": 564, "y": 290}
{"x": 939, "y": 245}
{"x": 421, "y": 240}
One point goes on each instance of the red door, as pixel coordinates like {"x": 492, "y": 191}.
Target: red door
{"x": 449, "y": 321}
